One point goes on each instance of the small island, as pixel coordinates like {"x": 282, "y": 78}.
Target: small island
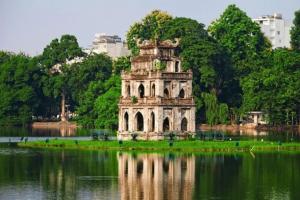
{"x": 161, "y": 146}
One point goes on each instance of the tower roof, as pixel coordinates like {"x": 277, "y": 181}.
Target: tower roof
{"x": 150, "y": 44}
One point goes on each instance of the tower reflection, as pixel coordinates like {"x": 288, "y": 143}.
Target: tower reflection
{"x": 156, "y": 176}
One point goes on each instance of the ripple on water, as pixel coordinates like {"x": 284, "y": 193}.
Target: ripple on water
{"x": 97, "y": 178}
{"x": 14, "y": 151}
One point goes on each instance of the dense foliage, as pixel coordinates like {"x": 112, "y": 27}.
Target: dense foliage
{"x": 295, "y": 32}
{"x": 199, "y": 52}
{"x": 235, "y": 71}
{"x": 20, "y": 88}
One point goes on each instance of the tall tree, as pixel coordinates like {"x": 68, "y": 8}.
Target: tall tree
{"x": 275, "y": 88}
{"x": 54, "y": 61}
{"x": 19, "y": 86}
{"x": 94, "y": 67}
{"x": 149, "y": 28}
{"x": 246, "y": 44}
{"x": 295, "y": 32}
{"x": 106, "y": 105}
{"x": 198, "y": 51}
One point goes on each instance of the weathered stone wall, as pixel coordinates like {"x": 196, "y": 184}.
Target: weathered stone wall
{"x": 156, "y": 101}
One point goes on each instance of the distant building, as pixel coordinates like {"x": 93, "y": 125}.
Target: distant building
{"x": 256, "y": 118}
{"x": 113, "y": 45}
{"x": 276, "y": 29}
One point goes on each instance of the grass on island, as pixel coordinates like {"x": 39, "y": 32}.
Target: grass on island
{"x": 179, "y": 145}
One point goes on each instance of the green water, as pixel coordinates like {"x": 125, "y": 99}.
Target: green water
{"x": 286, "y": 136}
{"x": 61, "y": 174}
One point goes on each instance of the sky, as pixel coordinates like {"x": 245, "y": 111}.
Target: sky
{"x": 29, "y": 25}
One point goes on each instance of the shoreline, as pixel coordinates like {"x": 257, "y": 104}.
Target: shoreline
{"x": 164, "y": 146}
{"x": 248, "y": 128}
{"x": 54, "y": 125}
{"x": 200, "y": 127}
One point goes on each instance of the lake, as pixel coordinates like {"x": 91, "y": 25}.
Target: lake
{"x": 66, "y": 174}
{"x": 17, "y": 133}
{"x": 83, "y": 174}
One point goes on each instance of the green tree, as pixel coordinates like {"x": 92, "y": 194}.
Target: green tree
{"x": 85, "y": 110}
{"x": 275, "y": 88}
{"x": 106, "y": 105}
{"x": 246, "y": 44}
{"x": 87, "y": 81}
{"x": 99, "y": 105}
{"x": 198, "y": 51}
{"x": 295, "y": 32}
{"x": 95, "y": 67}
{"x": 150, "y": 27}
{"x": 19, "y": 78}
{"x": 121, "y": 63}
{"x": 54, "y": 64}
{"x": 215, "y": 112}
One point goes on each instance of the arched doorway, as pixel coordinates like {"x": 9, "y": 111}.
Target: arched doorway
{"x": 141, "y": 90}
{"x": 166, "y": 93}
{"x": 181, "y": 93}
{"x": 126, "y": 119}
{"x": 166, "y": 125}
{"x": 152, "y": 122}
{"x": 184, "y": 124}
{"x": 153, "y": 90}
{"x": 139, "y": 119}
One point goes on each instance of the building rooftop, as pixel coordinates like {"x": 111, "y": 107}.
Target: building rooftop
{"x": 267, "y": 17}
{"x": 103, "y": 38}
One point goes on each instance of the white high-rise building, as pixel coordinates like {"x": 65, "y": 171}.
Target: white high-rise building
{"x": 113, "y": 46}
{"x": 276, "y": 29}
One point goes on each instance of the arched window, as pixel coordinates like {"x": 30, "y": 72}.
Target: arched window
{"x": 184, "y": 124}
{"x": 128, "y": 90}
{"x": 126, "y": 120}
{"x": 176, "y": 66}
{"x": 181, "y": 93}
{"x": 139, "y": 119}
{"x": 152, "y": 121}
{"x": 166, "y": 93}
{"x": 153, "y": 90}
{"x": 141, "y": 90}
{"x": 166, "y": 125}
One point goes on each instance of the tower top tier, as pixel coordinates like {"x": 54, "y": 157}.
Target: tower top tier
{"x": 157, "y": 47}
{"x": 156, "y": 55}
{"x": 151, "y": 44}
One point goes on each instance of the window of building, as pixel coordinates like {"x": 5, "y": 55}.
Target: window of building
{"x": 166, "y": 93}
{"x": 176, "y": 66}
{"x": 153, "y": 90}
{"x": 141, "y": 90}
{"x": 181, "y": 93}
{"x": 152, "y": 125}
{"x": 184, "y": 124}
{"x": 128, "y": 90}
{"x": 126, "y": 120}
{"x": 139, "y": 122}
{"x": 166, "y": 125}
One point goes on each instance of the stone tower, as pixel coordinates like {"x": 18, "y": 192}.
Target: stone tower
{"x": 156, "y": 94}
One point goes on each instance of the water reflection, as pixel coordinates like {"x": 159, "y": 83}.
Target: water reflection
{"x": 65, "y": 174}
{"x": 154, "y": 176}
{"x": 62, "y": 131}
{"x": 71, "y": 131}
